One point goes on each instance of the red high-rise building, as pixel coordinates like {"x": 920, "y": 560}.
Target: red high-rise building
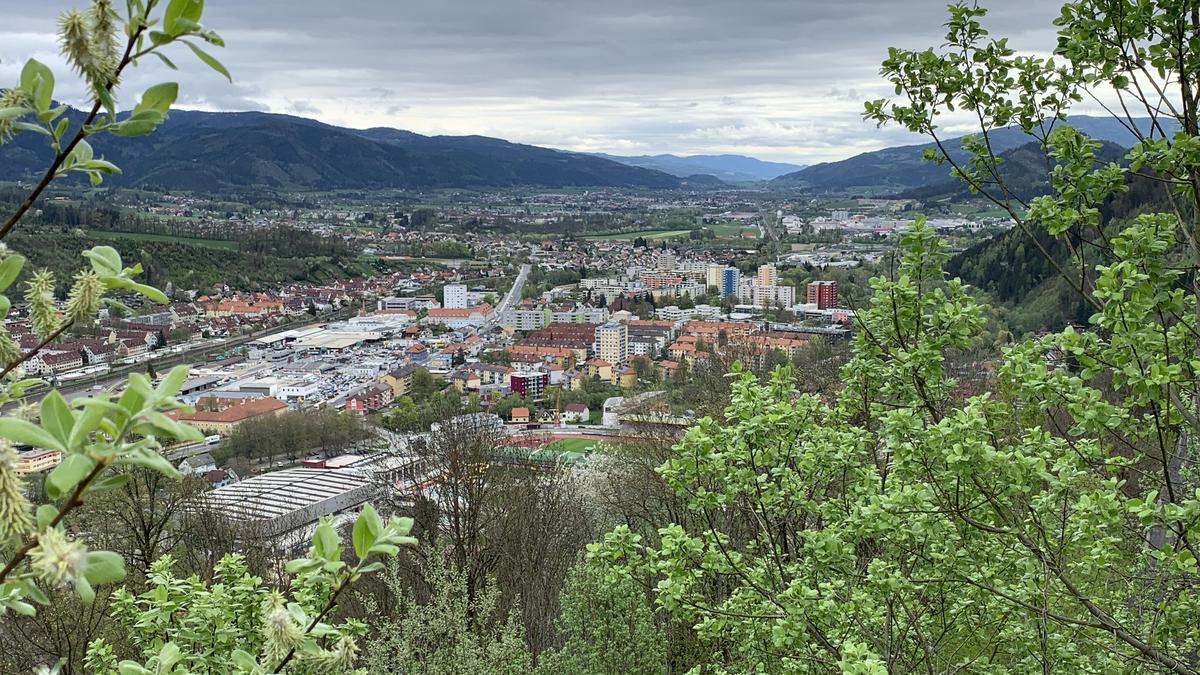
{"x": 532, "y": 385}
{"x": 823, "y": 294}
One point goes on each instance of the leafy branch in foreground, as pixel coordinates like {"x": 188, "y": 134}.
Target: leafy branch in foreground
{"x": 238, "y": 625}
{"x": 93, "y": 434}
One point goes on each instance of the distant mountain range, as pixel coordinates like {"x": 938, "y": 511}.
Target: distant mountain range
{"x": 216, "y": 152}
{"x": 211, "y": 152}
{"x": 900, "y": 169}
{"x": 732, "y": 168}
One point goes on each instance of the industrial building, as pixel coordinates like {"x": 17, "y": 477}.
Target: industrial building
{"x": 280, "y": 501}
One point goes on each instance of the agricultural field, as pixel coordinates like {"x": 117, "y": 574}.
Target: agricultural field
{"x": 645, "y": 234}
{"x": 733, "y": 230}
{"x": 142, "y": 236}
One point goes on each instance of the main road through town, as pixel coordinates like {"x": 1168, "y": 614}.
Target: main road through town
{"x": 510, "y": 299}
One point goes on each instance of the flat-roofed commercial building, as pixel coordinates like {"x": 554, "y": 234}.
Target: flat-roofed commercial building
{"x": 280, "y": 501}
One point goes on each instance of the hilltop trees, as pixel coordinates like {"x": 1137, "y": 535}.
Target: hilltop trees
{"x": 1045, "y": 524}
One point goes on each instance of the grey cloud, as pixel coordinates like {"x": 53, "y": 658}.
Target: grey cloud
{"x": 303, "y": 107}
{"x": 780, "y": 78}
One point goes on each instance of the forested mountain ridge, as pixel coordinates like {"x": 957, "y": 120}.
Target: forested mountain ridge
{"x": 1012, "y": 269}
{"x": 897, "y": 169}
{"x": 203, "y": 151}
{"x": 1023, "y": 168}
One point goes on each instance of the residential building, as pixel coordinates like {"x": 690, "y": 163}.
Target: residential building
{"x": 37, "y": 460}
{"x": 400, "y": 380}
{"x": 530, "y": 385}
{"x": 216, "y": 415}
{"x": 460, "y": 317}
{"x": 454, "y": 296}
{"x": 527, "y": 319}
{"x": 576, "y": 413}
{"x": 823, "y": 294}
{"x": 369, "y": 398}
{"x": 612, "y": 342}
{"x": 757, "y": 295}
{"x": 198, "y": 465}
{"x": 723, "y": 278}
{"x": 730, "y": 278}
{"x": 768, "y": 275}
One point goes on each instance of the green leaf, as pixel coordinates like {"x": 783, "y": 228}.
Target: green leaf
{"x": 168, "y": 656}
{"x": 82, "y": 153}
{"x": 31, "y": 590}
{"x": 85, "y": 424}
{"x": 325, "y": 542}
{"x": 105, "y": 260}
{"x": 158, "y": 98}
{"x": 51, "y": 114}
{"x": 36, "y": 128}
{"x": 362, "y": 535}
{"x": 243, "y": 660}
{"x": 22, "y": 608}
{"x": 191, "y": 10}
{"x": 26, "y": 433}
{"x": 106, "y": 99}
{"x": 151, "y": 460}
{"x": 174, "y": 380}
{"x": 150, "y": 292}
{"x": 210, "y": 61}
{"x": 167, "y": 62}
{"x": 68, "y": 474}
{"x": 104, "y": 567}
{"x": 158, "y": 37}
{"x": 57, "y": 417}
{"x": 46, "y": 513}
{"x": 101, "y": 165}
{"x": 113, "y": 482}
{"x": 37, "y": 80}
{"x": 10, "y": 268}
{"x": 132, "y": 128}
{"x": 86, "y": 593}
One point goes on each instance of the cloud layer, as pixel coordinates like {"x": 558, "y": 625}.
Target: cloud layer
{"x": 778, "y": 79}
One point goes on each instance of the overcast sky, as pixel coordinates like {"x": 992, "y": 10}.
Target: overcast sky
{"x": 777, "y": 79}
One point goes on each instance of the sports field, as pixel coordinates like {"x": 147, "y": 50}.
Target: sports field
{"x": 572, "y": 445}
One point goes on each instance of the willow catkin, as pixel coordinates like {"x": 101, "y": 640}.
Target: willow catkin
{"x": 39, "y": 295}
{"x": 90, "y": 51}
{"x": 84, "y": 299}
{"x": 104, "y": 39}
{"x": 15, "y": 519}
{"x": 56, "y": 559}
{"x": 10, "y": 98}
{"x": 281, "y": 633}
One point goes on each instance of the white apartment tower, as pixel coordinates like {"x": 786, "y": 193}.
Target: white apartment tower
{"x": 454, "y": 296}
